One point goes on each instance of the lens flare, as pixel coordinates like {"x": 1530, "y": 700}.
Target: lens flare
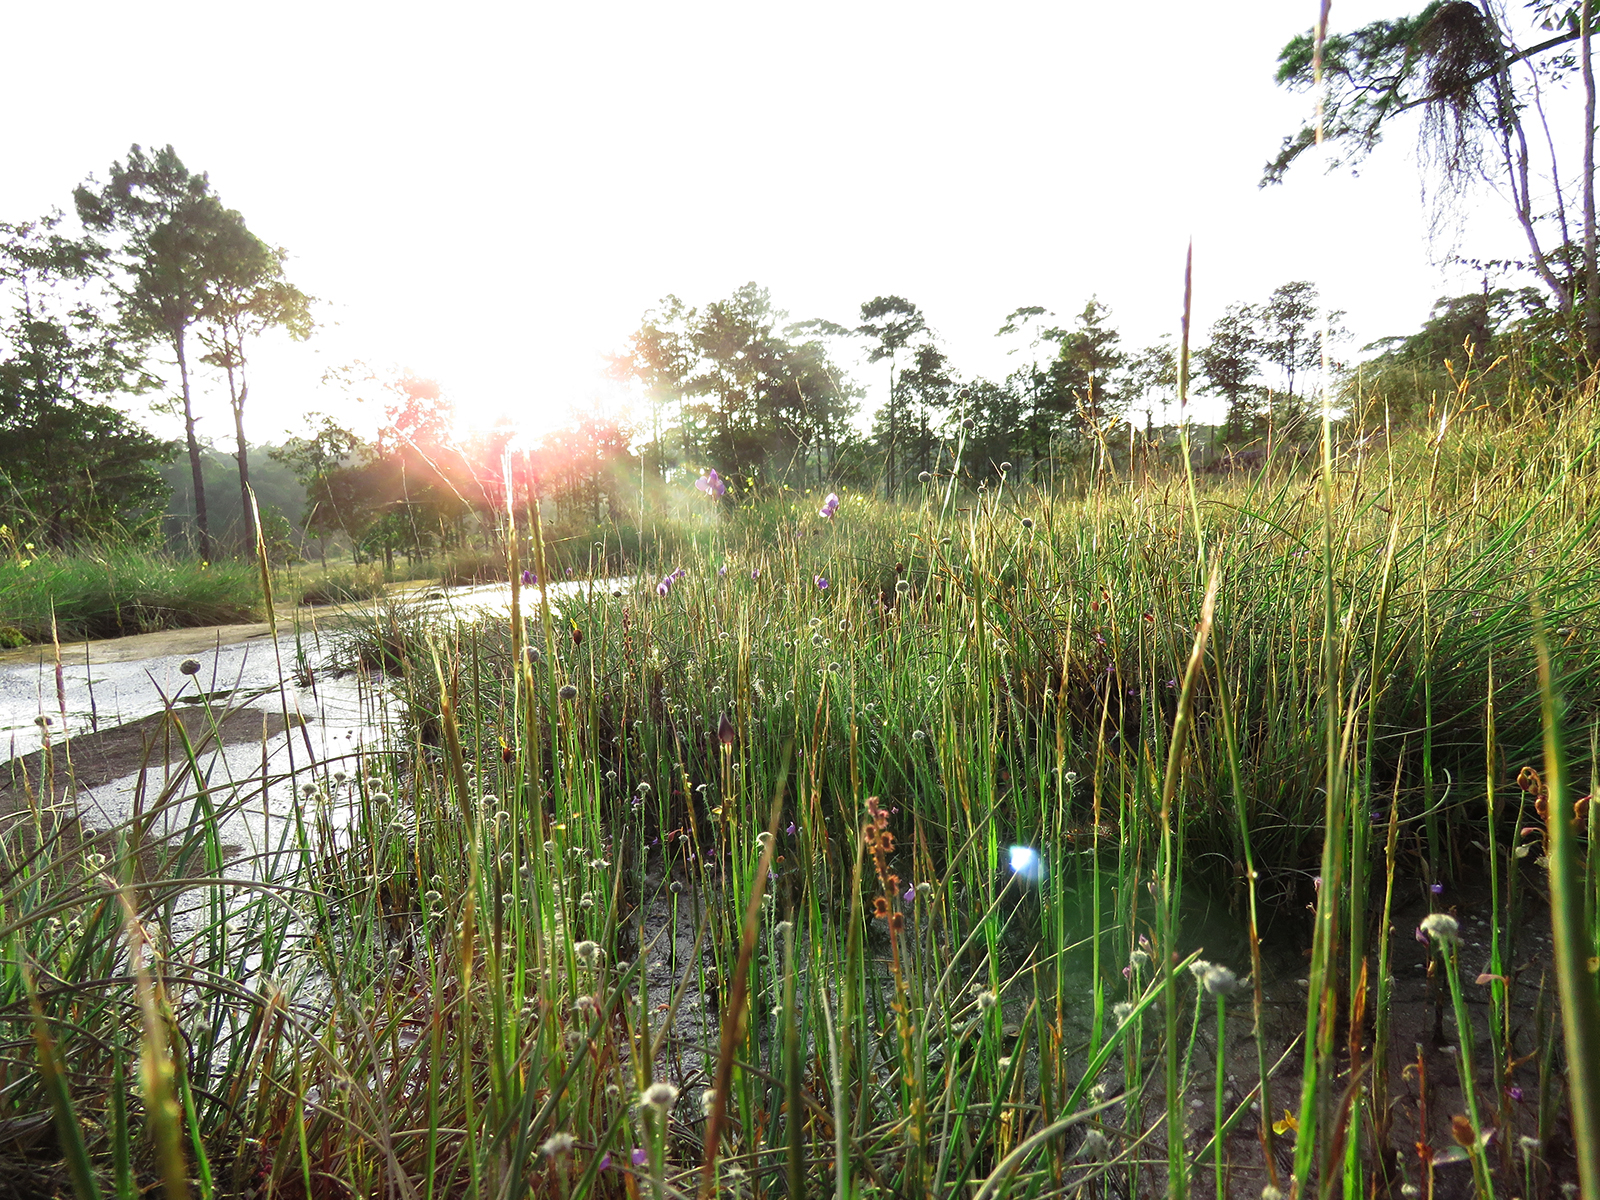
{"x": 1025, "y": 861}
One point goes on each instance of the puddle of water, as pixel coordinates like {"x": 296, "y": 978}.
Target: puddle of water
{"x": 89, "y": 696}
{"x": 93, "y": 694}
{"x": 494, "y": 599}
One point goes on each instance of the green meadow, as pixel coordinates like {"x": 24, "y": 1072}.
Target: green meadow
{"x": 1203, "y": 834}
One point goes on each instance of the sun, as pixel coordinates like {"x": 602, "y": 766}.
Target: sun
{"x": 532, "y": 421}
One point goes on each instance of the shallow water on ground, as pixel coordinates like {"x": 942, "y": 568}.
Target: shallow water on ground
{"x": 98, "y": 688}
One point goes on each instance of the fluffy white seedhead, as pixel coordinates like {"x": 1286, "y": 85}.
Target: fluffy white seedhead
{"x": 1219, "y": 980}
{"x": 1441, "y": 927}
{"x": 659, "y": 1096}
{"x": 558, "y": 1144}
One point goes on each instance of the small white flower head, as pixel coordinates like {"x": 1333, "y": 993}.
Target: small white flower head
{"x": 643, "y": 789}
{"x": 1004, "y": 1064}
{"x": 764, "y": 839}
{"x": 340, "y": 776}
{"x": 1198, "y": 969}
{"x": 1138, "y": 960}
{"x": 782, "y": 928}
{"x": 558, "y": 1144}
{"x": 659, "y": 1096}
{"x": 1441, "y": 927}
{"x": 918, "y": 735}
{"x": 708, "y": 1101}
{"x": 584, "y": 1004}
{"x": 1271, "y": 1193}
{"x": 1219, "y": 980}
{"x": 1094, "y": 1146}
{"x": 924, "y": 890}
{"x": 1122, "y": 1011}
{"x": 987, "y": 1000}
{"x": 190, "y": 666}
{"x": 611, "y": 776}
{"x": 589, "y": 953}
{"x": 308, "y": 790}
{"x": 382, "y": 798}
{"x": 575, "y": 1041}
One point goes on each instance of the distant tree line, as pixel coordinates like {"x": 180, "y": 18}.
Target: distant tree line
{"x": 165, "y": 281}
{"x": 737, "y": 385}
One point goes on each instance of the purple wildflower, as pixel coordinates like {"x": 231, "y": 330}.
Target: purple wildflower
{"x": 640, "y": 1157}
{"x": 755, "y": 574}
{"x": 664, "y": 586}
{"x": 822, "y": 583}
{"x": 830, "y": 505}
{"x": 911, "y": 894}
{"x": 790, "y": 830}
{"x": 1437, "y": 889}
{"x": 722, "y": 570}
{"x": 529, "y": 579}
{"x": 1515, "y": 1093}
{"x": 711, "y": 484}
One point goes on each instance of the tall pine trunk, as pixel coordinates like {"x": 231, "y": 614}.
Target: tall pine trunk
{"x": 194, "y": 450}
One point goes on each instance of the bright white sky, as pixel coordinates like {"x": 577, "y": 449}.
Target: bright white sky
{"x": 493, "y": 194}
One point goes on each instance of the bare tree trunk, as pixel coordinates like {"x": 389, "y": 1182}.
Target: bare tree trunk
{"x": 1515, "y": 160}
{"x": 194, "y": 451}
{"x": 242, "y": 457}
{"x": 1591, "y": 269}
{"x": 888, "y": 481}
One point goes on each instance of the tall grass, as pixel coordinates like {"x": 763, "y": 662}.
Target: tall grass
{"x": 934, "y": 880}
{"x": 119, "y": 591}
